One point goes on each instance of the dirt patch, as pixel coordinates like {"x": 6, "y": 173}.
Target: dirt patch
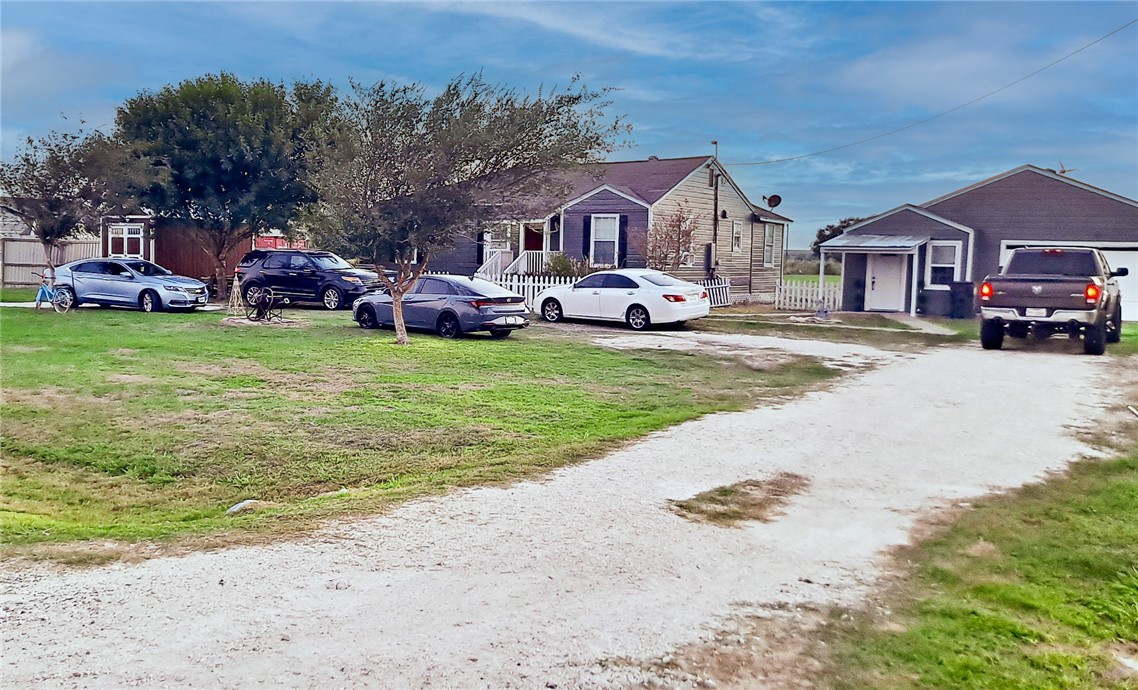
{"x": 275, "y": 323}
{"x": 982, "y": 549}
{"x": 129, "y": 378}
{"x": 123, "y": 352}
{"x": 752, "y": 499}
{"x": 25, "y": 348}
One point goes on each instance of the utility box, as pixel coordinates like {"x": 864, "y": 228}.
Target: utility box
{"x": 963, "y": 300}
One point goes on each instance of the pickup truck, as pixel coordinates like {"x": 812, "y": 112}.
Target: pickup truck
{"x": 1046, "y": 290}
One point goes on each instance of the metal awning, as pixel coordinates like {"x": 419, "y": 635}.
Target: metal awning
{"x": 873, "y": 243}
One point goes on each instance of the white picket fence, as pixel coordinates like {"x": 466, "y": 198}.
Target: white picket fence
{"x": 718, "y": 291}
{"x": 529, "y": 285}
{"x": 808, "y": 297}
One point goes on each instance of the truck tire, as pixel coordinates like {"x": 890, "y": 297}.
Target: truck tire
{"x": 991, "y": 334}
{"x": 1094, "y": 338}
{"x": 1114, "y": 331}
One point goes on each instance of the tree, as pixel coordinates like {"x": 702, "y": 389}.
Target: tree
{"x": 233, "y": 154}
{"x": 669, "y": 240}
{"x": 831, "y": 231}
{"x": 65, "y": 182}
{"x": 402, "y": 175}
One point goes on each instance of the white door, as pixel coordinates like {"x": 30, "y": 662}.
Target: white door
{"x": 885, "y": 282}
{"x": 1129, "y": 284}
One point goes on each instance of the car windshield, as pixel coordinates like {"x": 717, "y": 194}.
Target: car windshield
{"x": 1053, "y": 262}
{"x": 663, "y": 279}
{"x": 477, "y": 287}
{"x": 329, "y": 261}
{"x": 146, "y": 268}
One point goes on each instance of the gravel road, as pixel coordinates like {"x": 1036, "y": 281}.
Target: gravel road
{"x": 542, "y": 583}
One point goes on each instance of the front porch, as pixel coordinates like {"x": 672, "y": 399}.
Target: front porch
{"x": 520, "y": 248}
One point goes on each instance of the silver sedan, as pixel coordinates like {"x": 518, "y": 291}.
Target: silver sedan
{"x": 127, "y": 283}
{"x": 448, "y": 305}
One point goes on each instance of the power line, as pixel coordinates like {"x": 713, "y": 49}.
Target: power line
{"x": 947, "y": 112}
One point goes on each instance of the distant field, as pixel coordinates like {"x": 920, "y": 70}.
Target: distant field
{"x": 812, "y": 279}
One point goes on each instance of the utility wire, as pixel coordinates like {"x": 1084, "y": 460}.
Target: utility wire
{"x": 947, "y": 112}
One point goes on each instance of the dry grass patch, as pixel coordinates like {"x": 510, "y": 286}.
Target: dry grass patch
{"x": 751, "y": 499}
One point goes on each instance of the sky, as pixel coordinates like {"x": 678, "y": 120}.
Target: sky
{"x": 766, "y": 80}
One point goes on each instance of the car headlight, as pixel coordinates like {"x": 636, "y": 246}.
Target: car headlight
{"x": 174, "y": 288}
{"x": 352, "y": 279}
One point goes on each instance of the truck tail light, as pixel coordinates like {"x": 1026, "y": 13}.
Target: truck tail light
{"x": 985, "y": 291}
{"x": 674, "y": 298}
{"x": 1092, "y": 293}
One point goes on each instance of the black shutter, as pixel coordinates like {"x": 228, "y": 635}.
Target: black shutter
{"x": 622, "y": 243}
{"x": 480, "y": 240}
{"x": 586, "y": 236}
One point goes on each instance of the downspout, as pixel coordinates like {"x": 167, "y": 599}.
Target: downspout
{"x": 751, "y": 261}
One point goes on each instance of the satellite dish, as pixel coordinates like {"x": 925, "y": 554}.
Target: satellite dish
{"x": 773, "y": 200}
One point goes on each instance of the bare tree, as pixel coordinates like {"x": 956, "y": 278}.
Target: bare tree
{"x": 403, "y": 175}
{"x": 669, "y": 240}
{"x": 65, "y": 182}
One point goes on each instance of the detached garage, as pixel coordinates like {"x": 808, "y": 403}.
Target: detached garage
{"x": 920, "y": 258}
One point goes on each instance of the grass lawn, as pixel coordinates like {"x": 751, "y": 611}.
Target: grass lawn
{"x": 126, "y": 426}
{"x": 18, "y": 294}
{"x": 1036, "y": 589}
{"x": 811, "y": 279}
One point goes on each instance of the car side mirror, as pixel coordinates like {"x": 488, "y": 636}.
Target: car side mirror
{"x": 125, "y": 274}
{"x": 1120, "y": 273}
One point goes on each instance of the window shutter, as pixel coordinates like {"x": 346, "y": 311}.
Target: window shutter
{"x": 622, "y": 242}
{"x": 480, "y": 241}
{"x": 586, "y": 235}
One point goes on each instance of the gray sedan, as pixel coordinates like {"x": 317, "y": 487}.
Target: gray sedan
{"x": 448, "y": 305}
{"x": 127, "y": 283}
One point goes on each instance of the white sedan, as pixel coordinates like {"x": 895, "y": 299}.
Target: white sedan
{"x": 638, "y": 297}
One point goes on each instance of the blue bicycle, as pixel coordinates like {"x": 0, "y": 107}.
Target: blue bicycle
{"x": 60, "y": 300}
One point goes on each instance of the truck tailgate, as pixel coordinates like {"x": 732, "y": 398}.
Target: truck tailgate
{"x": 1052, "y": 292}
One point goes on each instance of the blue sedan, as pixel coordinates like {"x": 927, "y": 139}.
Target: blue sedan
{"x": 449, "y": 306}
{"x": 127, "y": 283}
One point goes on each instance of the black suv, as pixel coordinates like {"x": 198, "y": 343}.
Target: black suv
{"x": 304, "y": 276}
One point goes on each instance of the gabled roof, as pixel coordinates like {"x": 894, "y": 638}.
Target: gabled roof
{"x": 646, "y": 180}
{"x": 1039, "y": 171}
{"x": 914, "y": 209}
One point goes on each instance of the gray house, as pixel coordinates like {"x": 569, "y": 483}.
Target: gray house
{"x": 918, "y": 258}
{"x": 608, "y": 212}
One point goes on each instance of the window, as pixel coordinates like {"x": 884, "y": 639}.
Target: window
{"x": 603, "y": 244}
{"x": 768, "y": 245}
{"x": 664, "y": 280}
{"x": 114, "y": 268}
{"x": 942, "y": 265}
{"x": 277, "y": 261}
{"x": 736, "y": 235}
{"x": 126, "y": 241}
{"x": 299, "y": 262}
{"x": 596, "y": 280}
{"x": 434, "y": 286}
{"x": 145, "y": 268}
{"x": 620, "y": 282}
{"x": 328, "y": 261}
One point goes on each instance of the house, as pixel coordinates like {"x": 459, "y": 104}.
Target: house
{"x": 139, "y": 237}
{"x": 606, "y": 218}
{"x": 919, "y": 258}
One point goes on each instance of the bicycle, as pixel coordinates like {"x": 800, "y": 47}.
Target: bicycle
{"x": 60, "y": 300}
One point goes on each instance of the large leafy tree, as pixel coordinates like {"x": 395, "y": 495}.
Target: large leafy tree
{"x": 831, "y": 231}
{"x": 65, "y": 182}
{"x": 403, "y": 174}
{"x": 232, "y": 152}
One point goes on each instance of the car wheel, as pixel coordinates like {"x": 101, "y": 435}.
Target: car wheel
{"x": 332, "y": 298}
{"x": 149, "y": 301}
{"x": 991, "y": 334}
{"x": 500, "y": 333}
{"x": 1094, "y": 338}
{"x": 1114, "y": 329}
{"x": 64, "y": 300}
{"x": 551, "y": 311}
{"x": 251, "y": 292}
{"x": 637, "y": 318}
{"x": 447, "y": 326}
{"x": 365, "y": 317}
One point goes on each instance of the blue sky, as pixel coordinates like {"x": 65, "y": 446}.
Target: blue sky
{"x": 767, "y": 80}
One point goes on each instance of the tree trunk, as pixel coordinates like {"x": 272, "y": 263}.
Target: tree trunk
{"x": 397, "y": 316}
{"x": 48, "y": 252}
{"x": 221, "y": 278}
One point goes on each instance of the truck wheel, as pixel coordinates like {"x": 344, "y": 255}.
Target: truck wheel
{"x": 1094, "y": 338}
{"x": 991, "y": 334}
{"x": 1114, "y": 329}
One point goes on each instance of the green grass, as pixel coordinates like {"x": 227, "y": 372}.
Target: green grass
{"x": 122, "y": 425}
{"x": 811, "y": 279}
{"x": 855, "y": 328}
{"x": 1031, "y": 590}
{"x": 18, "y": 294}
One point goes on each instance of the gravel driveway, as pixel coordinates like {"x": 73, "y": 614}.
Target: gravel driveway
{"x": 544, "y": 583}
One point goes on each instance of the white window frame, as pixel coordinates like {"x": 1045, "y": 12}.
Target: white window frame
{"x": 768, "y": 245}
{"x": 959, "y": 246}
{"x": 126, "y": 231}
{"x": 593, "y": 238}
{"x": 736, "y": 236}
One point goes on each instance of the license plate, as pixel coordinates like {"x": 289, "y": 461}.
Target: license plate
{"x": 1036, "y": 311}
{"x": 513, "y": 320}
{"x": 201, "y": 299}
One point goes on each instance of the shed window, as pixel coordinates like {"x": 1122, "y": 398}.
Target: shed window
{"x": 943, "y": 265}
{"x": 768, "y": 245}
{"x": 603, "y": 247}
{"x": 736, "y": 236}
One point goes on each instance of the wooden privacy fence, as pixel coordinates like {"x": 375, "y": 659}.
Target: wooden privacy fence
{"x": 808, "y": 297}
{"x": 19, "y": 256}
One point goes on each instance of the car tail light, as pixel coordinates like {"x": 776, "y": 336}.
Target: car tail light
{"x": 479, "y": 303}
{"x": 674, "y": 298}
{"x": 985, "y": 291}
{"x": 703, "y": 295}
{"x": 1092, "y": 293}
